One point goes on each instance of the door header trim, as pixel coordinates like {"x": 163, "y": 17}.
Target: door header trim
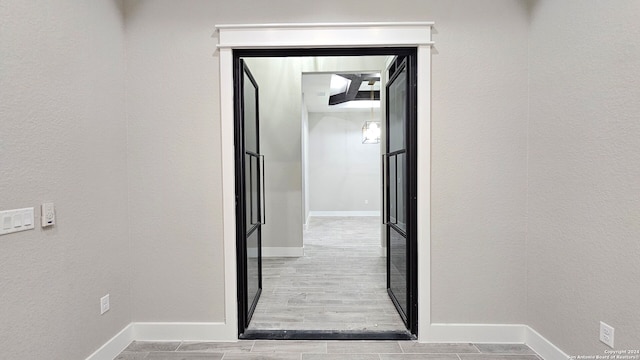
{"x": 321, "y": 35}
{"x": 326, "y": 37}
{"x": 337, "y": 24}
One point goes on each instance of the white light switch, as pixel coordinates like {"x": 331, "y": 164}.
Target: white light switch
{"x": 7, "y": 222}
{"x": 16, "y": 220}
{"x": 27, "y": 218}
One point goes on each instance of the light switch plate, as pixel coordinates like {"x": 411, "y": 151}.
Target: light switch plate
{"x": 16, "y": 220}
{"x": 48, "y": 212}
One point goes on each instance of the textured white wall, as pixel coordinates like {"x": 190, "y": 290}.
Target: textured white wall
{"x": 63, "y": 94}
{"x": 305, "y": 162}
{"x": 174, "y": 161}
{"x": 63, "y": 139}
{"x": 280, "y": 91}
{"x": 478, "y": 164}
{"x": 583, "y": 243}
{"x": 343, "y": 172}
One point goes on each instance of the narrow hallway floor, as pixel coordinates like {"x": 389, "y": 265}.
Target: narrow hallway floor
{"x": 323, "y": 350}
{"x": 340, "y": 283}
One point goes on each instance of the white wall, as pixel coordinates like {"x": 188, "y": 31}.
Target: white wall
{"x": 281, "y": 129}
{"x": 174, "y": 161}
{"x": 280, "y": 99}
{"x": 478, "y": 162}
{"x": 63, "y": 95}
{"x": 343, "y": 172}
{"x": 305, "y": 163}
{"x": 63, "y": 139}
{"x": 478, "y": 165}
{"x": 584, "y": 173}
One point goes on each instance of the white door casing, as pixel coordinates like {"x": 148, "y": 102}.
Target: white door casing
{"x": 335, "y": 35}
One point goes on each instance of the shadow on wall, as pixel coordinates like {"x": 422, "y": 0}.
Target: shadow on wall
{"x": 530, "y": 8}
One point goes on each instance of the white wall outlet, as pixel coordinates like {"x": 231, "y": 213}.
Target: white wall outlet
{"x": 48, "y": 212}
{"x": 606, "y": 334}
{"x": 366, "y": 202}
{"x": 104, "y": 304}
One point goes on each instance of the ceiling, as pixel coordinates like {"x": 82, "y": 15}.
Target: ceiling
{"x": 317, "y": 88}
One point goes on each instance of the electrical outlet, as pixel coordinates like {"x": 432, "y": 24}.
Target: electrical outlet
{"x": 606, "y": 334}
{"x": 366, "y": 202}
{"x": 104, "y": 304}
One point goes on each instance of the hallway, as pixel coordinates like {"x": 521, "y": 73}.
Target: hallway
{"x": 340, "y": 283}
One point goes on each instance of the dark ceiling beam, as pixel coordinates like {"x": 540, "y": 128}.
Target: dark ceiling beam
{"x": 366, "y": 95}
{"x": 351, "y": 92}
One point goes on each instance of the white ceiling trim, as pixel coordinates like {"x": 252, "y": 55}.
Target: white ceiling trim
{"x": 325, "y": 35}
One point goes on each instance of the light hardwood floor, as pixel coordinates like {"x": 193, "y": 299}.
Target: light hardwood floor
{"x": 339, "y": 284}
{"x": 323, "y": 350}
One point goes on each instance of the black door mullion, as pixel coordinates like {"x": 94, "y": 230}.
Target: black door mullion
{"x": 398, "y": 229}
{"x": 397, "y": 152}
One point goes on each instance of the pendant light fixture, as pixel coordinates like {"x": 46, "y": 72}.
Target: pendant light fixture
{"x": 371, "y": 128}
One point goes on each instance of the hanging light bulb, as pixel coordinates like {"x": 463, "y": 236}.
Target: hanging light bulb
{"x": 371, "y": 128}
{"x": 371, "y": 132}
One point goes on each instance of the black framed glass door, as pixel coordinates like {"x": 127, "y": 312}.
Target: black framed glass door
{"x": 400, "y": 188}
{"x": 399, "y": 207}
{"x": 250, "y": 193}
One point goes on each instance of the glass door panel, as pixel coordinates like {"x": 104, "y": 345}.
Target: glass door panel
{"x": 397, "y": 214}
{"x": 251, "y": 196}
{"x": 253, "y": 267}
{"x": 398, "y": 269}
{"x": 397, "y": 111}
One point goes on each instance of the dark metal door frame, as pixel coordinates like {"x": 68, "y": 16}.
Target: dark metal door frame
{"x": 245, "y": 229}
{"x": 408, "y": 154}
{"x": 408, "y": 53}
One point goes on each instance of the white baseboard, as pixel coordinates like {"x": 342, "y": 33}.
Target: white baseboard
{"x": 542, "y": 346}
{"x": 344, "y": 213}
{"x": 115, "y": 345}
{"x": 475, "y": 333}
{"x": 164, "y": 331}
{"x": 306, "y": 222}
{"x": 282, "y": 251}
{"x": 494, "y": 333}
{"x": 221, "y": 332}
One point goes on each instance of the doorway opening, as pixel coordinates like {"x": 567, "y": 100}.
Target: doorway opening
{"x": 259, "y": 116}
